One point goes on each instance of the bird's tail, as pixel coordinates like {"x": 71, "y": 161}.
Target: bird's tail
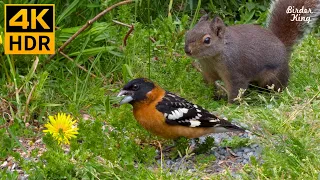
{"x": 226, "y": 126}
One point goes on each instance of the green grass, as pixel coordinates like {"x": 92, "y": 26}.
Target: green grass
{"x": 288, "y": 122}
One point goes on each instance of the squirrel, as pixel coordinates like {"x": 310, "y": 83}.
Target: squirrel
{"x": 243, "y": 54}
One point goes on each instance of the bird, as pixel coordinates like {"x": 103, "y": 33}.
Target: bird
{"x": 169, "y": 116}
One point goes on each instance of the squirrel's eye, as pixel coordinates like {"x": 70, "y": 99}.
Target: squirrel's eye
{"x": 135, "y": 87}
{"x": 207, "y": 40}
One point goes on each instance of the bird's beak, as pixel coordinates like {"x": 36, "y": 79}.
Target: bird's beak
{"x": 127, "y": 96}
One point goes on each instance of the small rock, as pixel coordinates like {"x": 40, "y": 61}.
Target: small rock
{"x": 216, "y": 154}
{"x": 246, "y": 150}
{"x": 245, "y": 156}
{"x": 239, "y": 153}
{"x": 245, "y": 135}
{"x": 239, "y": 160}
{"x": 202, "y": 139}
{"x": 250, "y": 154}
{"x": 223, "y": 151}
{"x": 254, "y": 146}
{"x": 169, "y": 162}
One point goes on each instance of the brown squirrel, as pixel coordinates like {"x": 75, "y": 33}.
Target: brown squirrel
{"x": 243, "y": 54}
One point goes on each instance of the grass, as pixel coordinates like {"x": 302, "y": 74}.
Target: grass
{"x": 110, "y": 144}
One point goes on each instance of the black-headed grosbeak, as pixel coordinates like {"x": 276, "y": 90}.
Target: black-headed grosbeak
{"x": 168, "y": 115}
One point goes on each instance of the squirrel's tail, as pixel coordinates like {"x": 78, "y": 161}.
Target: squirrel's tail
{"x": 289, "y": 20}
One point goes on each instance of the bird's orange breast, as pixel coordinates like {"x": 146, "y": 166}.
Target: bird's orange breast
{"x": 151, "y": 119}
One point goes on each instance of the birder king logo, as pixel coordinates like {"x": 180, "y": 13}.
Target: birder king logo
{"x": 297, "y": 14}
{"x": 29, "y": 29}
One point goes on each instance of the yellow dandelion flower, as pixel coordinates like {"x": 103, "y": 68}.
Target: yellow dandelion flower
{"x": 61, "y": 127}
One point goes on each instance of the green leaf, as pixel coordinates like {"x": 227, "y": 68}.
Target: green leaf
{"x": 70, "y": 9}
{"x": 94, "y": 51}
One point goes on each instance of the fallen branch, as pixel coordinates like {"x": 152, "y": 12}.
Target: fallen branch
{"x": 127, "y": 35}
{"x": 87, "y": 25}
{"x": 83, "y": 68}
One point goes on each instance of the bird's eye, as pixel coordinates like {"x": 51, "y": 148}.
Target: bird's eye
{"x": 206, "y": 40}
{"x": 135, "y": 87}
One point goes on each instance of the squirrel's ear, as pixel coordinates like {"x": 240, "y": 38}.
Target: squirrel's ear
{"x": 218, "y": 27}
{"x": 204, "y": 18}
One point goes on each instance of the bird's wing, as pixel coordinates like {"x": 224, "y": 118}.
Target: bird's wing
{"x": 179, "y": 111}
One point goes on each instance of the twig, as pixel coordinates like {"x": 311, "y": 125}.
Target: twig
{"x": 121, "y": 23}
{"x": 127, "y": 35}
{"x": 152, "y": 39}
{"x": 84, "y": 69}
{"x": 87, "y": 25}
{"x": 27, "y": 103}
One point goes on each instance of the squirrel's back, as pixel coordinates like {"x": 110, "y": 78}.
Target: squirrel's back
{"x": 254, "y": 38}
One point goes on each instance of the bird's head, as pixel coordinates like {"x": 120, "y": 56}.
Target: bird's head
{"x": 136, "y": 90}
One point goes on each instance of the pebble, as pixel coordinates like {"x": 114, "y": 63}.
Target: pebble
{"x": 239, "y": 153}
{"x": 239, "y": 160}
{"x": 246, "y": 150}
{"x": 250, "y": 154}
{"x": 254, "y": 145}
{"x": 245, "y": 156}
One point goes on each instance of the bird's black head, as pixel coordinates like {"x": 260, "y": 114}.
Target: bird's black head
{"x": 136, "y": 90}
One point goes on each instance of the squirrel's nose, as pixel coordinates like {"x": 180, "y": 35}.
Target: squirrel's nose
{"x": 187, "y": 50}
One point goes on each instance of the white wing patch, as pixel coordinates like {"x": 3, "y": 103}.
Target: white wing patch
{"x": 214, "y": 120}
{"x": 171, "y": 95}
{"x": 194, "y": 123}
{"x": 176, "y": 114}
{"x": 198, "y": 116}
{"x": 183, "y": 110}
